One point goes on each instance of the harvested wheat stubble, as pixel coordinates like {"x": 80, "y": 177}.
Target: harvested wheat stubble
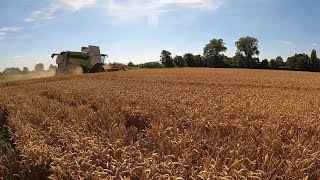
{"x": 160, "y": 124}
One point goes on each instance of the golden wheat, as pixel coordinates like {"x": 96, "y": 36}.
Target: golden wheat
{"x": 160, "y": 124}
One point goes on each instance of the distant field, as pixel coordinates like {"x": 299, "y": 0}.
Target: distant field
{"x": 165, "y": 123}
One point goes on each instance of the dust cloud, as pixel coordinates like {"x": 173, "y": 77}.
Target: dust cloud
{"x": 30, "y": 75}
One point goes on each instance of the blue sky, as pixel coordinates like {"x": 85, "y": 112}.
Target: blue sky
{"x": 137, "y": 30}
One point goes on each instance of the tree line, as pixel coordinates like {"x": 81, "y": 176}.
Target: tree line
{"x": 17, "y": 71}
{"x": 246, "y": 56}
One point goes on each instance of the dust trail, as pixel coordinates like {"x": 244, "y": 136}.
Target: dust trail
{"x": 30, "y": 75}
{"x": 77, "y": 71}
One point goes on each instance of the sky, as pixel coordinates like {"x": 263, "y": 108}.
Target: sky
{"x": 138, "y": 30}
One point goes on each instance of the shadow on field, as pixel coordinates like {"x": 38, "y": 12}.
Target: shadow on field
{"x": 136, "y": 123}
{"x": 6, "y": 141}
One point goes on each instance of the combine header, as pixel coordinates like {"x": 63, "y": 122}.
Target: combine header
{"x": 89, "y": 60}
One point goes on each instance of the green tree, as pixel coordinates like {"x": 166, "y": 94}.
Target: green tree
{"x": 314, "y": 61}
{"x": 189, "y": 59}
{"x": 130, "y": 64}
{"x": 299, "y": 62}
{"x": 279, "y": 61}
{"x": 264, "y": 64}
{"x": 151, "y": 65}
{"x": 239, "y": 59}
{"x": 248, "y": 47}
{"x": 212, "y": 53}
{"x": 25, "y": 70}
{"x": 39, "y": 67}
{"x": 230, "y": 62}
{"x": 166, "y": 59}
{"x": 52, "y": 67}
{"x": 273, "y": 64}
{"x": 198, "y": 61}
{"x": 254, "y": 63}
{"x": 179, "y": 61}
{"x": 12, "y": 71}
{"x": 116, "y": 64}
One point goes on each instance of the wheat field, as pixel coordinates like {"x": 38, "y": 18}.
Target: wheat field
{"x": 190, "y": 123}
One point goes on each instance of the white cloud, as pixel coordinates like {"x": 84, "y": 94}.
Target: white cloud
{"x": 153, "y": 9}
{"x": 287, "y": 43}
{"x": 76, "y": 5}
{"x": 124, "y": 10}
{"x": 206, "y": 4}
{"x": 5, "y": 30}
{"x": 50, "y": 12}
{"x": 9, "y": 29}
{"x": 42, "y": 15}
{"x": 315, "y": 44}
{"x": 17, "y": 57}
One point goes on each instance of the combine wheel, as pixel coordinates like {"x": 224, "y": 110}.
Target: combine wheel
{"x": 98, "y": 68}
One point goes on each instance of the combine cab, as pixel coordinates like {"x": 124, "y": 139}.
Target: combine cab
{"x": 89, "y": 60}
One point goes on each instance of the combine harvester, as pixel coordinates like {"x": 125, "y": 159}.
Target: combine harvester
{"x": 89, "y": 60}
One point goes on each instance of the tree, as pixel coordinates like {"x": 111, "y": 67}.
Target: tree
{"x": 12, "y": 71}
{"x": 25, "y": 70}
{"x": 39, "y": 67}
{"x": 179, "y": 61}
{"x": 264, "y": 64}
{"x": 151, "y": 65}
{"x": 198, "y": 61}
{"x": 299, "y": 62}
{"x": 52, "y": 67}
{"x": 254, "y": 63}
{"x": 212, "y": 53}
{"x": 239, "y": 59}
{"x": 248, "y": 47}
{"x": 189, "y": 59}
{"x": 279, "y": 61}
{"x": 130, "y": 64}
{"x": 116, "y": 64}
{"x": 314, "y": 61}
{"x": 166, "y": 59}
{"x": 230, "y": 62}
{"x": 273, "y": 64}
